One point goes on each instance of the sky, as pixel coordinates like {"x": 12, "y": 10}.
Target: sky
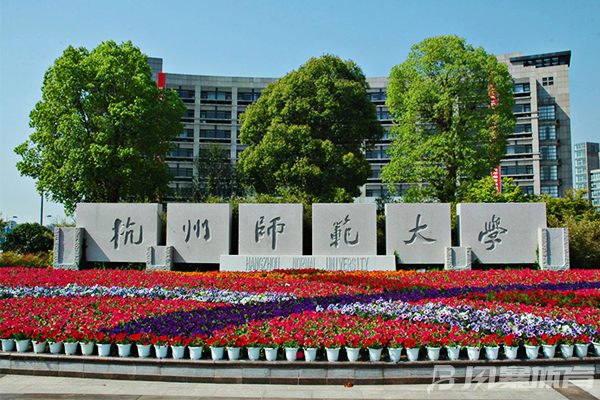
{"x": 270, "y": 39}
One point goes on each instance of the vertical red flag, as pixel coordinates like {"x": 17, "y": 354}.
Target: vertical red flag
{"x": 493, "y": 103}
{"x": 161, "y": 80}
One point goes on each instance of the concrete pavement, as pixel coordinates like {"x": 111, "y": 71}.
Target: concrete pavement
{"x": 23, "y": 387}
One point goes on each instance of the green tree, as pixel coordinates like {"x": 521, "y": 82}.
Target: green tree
{"x": 484, "y": 191}
{"x": 28, "y": 238}
{"x": 440, "y": 99}
{"x": 216, "y": 175}
{"x": 102, "y": 128}
{"x": 308, "y": 132}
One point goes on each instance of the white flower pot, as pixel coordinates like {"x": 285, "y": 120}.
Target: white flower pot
{"x": 39, "y": 347}
{"x": 375, "y": 355}
{"x": 491, "y": 352}
{"x": 104, "y": 349}
{"x": 253, "y": 353}
{"x": 271, "y": 353}
{"x": 216, "y": 353}
{"x": 332, "y": 354}
{"x": 352, "y": 353}
{"x": 143, "y": 350}
{"x": 453, "y": 352}
{"x": 549, "y": 350}
{"x": 395, "y": 354}
{"x": 566, "y": 350}
{"x": 55, "y": 347}
{"x": 179, "y": 352}
{"x": 195, "y": 352}
{"x": 233, "y": 353}
{"x": 597, "y": 348}
{"x": 532, "y": 351}
{"x": 87, "y": 348}
{"x": 412, "y": 353}
{"x": 310, "y": 354}
{"x": 124, "y": 349}
{"x": 581, "y": 349}
{"x": 473, "y": 353}
{"x": 161, "y": 350}
{"x": 510, "y": 352}
{"x": 8, "y": 345}
{"x": 22, "y": 345}
{"x": 71, "y": 348}
{"x": 291, "y": 353}
{"x": 433, "y": 353}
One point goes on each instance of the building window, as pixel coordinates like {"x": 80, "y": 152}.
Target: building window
{"x": 381, "y": 96}
{"x": 547, "y": 112}
{"x": 188, "y": 114}
{"x": 522, "y": 87}
{"x": 548, "y": 152}
{"x": 376, "y": 191}
{"x": 383, "y": 114}
{"x": 548, "y": 132}
{"x": 548, "y": 81}
{"x": 189, "y": 153}
{"x": 182, "y": 172}
{"x": 516, "y": 170}
{"x": 525, "y": 128}
{"x": 581, "y": 186}
{"x": 551, "y": 190}
{"x": 522, "y": 108}
{"x": 527, "y": 189}
{"x": 595, "y": 176}
{"x": 187, "y": 133}
{"x": 215, "y": 134}
{"x": 579, "y": 154}
{"x": 519, "y": 149}
{"x": 580, "y": 170}
{"x": 580, "y": 178}
{"x": 549, "y": 172}
{"x": 216, "y": 95}
{"x": 206, "y": 114}
{"x": 248, "y": 96}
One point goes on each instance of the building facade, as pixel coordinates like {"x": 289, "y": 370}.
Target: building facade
{"x": 587, "y": 168}
{"x": 538, "y": 156}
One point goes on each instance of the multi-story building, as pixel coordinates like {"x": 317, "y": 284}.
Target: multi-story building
{"x": 595, "y": 187}
{"x": 587, "y": 160}
{"x": 538, "y": 156}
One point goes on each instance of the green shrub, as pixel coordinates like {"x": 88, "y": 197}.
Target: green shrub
{"x": 29, "y": 238}
{"x": 37, "y": 260}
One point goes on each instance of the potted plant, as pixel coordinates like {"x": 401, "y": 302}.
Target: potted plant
{"x": 395, "y": 346}
{"x": 375, "y": 344}
{"x": 55, "y": 341}
{"x": 548, "y": 343}
{"x": 511, "y": 344}
{"x": 142, "y": 342}
{"x": 582, "y": 345}
{"x": 196, "y": 345}
{"x": 8, "y": 341}
{"x": 104, "y": 343}
{"x": 178, "y": 345}
{"x": 71, "y": 342}
{"x": 124, "y": 342}
{"x": 532, "y": 346}
{"x": 310, "y": 346}
{"x": 38, "y": 339}
{"x": 216, "y": 344}
{"x": 161, "y": 345}
{"x": 22, "y": 339}
{"x": 491, "y": 345}
{"x": 567, "y": 343}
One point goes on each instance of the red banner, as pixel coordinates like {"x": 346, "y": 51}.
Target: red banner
{"x": 161, "y": 80}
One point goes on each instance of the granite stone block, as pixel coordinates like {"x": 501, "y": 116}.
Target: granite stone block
{"x": 68, "y": 247}
{"x": 418, "y": 233}
{"x": 344, "y": 229}
{"x": 199, "y": 233}
{"x": 501, "y": 233}
{"x": 554, "y": 249}
{"x": 119, "y": 232}
{"x": 270, "y": 229}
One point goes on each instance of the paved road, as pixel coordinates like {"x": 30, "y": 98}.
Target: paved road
{"x": 37, "y": 387}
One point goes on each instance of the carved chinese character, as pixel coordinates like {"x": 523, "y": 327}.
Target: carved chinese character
{"x": 126, "y": 230}
{"x": 273, "y": 230}
{"x": 197, "y": 228}
{"x": 492, "y": 232}
{"x": 415, "y": 231}
{"x": 337, "y": 236}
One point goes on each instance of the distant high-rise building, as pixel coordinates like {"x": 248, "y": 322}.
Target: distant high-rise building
{"x": 587, "y": 160}
{"x": 538, "y": 155}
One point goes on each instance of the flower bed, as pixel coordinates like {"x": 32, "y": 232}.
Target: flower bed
{"x": 306, "y": 309}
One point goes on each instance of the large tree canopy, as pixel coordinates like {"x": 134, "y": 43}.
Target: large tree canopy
{"x": 102, "y": 128}
{"x": 307, "y": 133}
{"x": 447, "y": 133}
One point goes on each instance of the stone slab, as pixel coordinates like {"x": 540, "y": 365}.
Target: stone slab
{"x": 501, "y": 233}
{"x": 159, "y": 258}
{"x": 270, "y": 229}
{"x": 327, "y": 263}
{"x": 119, "y": 232}
{"x": 344, "y": 229}
{"x": 68, "y": 248}
{"x": 458, "y": 258}
{"x": 418, "y": 233}
{"x": 199, "y": 233}
{"x": 554, "y": 249}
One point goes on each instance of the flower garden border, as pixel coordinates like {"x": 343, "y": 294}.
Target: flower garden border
{"x": 264, "y": 372}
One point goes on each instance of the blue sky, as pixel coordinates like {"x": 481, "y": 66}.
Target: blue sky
{"x": 269, "y": 39}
